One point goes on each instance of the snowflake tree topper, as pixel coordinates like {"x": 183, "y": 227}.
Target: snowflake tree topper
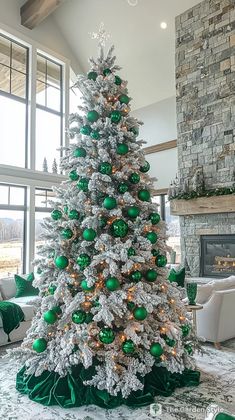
{"x": 102, "y": 36}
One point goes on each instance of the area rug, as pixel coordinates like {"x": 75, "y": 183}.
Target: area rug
{"x": 217, "y": 386}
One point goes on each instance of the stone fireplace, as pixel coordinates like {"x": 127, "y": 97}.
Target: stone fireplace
{"x": 205, "y": 96}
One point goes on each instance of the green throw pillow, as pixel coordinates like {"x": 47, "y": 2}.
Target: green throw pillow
{"x": 24, "y": 286}
{"x": 177, "y": 276}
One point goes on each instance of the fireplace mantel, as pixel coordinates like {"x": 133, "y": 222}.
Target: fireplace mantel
{"x": 203, "y": 205}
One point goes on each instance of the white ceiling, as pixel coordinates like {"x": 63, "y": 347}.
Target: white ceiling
{"x": 143, "y": 49}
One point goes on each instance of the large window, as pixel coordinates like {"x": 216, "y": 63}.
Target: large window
{"x": 13, "y": 209}
{"x": 43, "y": 206}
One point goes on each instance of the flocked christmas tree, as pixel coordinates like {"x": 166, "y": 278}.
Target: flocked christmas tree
{"x": 110, "y": 328}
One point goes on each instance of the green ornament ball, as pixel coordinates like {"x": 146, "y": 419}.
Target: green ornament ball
{"x": 39, "y": 345}
{"x": 67, "y": 233}
{"x": 73, "y": 214}
{"x": 95, "y": 135}
{"x": 119, "y": 228}
{"x": 51, "y": 289}
{"x": 110, "y": 203}
{"x": 188, "y": 348}
{"x": 73, "y": 175}
{"x": 140, "y": 313}
{"x": 155, "y": 252}
{"x": 50, "y": 317}
{"x": 133, "y": 212}
{"x": 144, "y": 195}
{"x": 106, "y": 72}
{"x": 151, "y": 275}
{"x": 116, "y": 116}
{"x": 118, "y": 80}
{"x": 86, "y": 288}
{"x": 79, "y": 152}
{"x": 102, "y": 222}
{"x": 131, "y": 252}
{"x": 122, "y": 149}
{"x": 56, "y": 214}
{"x": 78, "y": 317}
{"x": 134, "y": 178}
{"x": 85, "y": 130}
{"x": 61, "y": 262}
{"x": 93, "y": 116}
{"x": 124, "y": 99}
{"x": 122, "y": 187}
{"x": 92, "y": 75}
{"x": 83, "y": 184}
{"x": 156, "y": 349}
{"x": 106, "y": 335}
{"x": 128, "y": 347}
{"x": 136, "y": 276}
{"x": 145, "y": 167}
{"x": 130, "y": 306}
{"x": 57, "y": 310}
{"x": 83, "y": 261}
{"x": 185, "y": 330}
{"x": 161, "y": 261}
{"x": 152, "y": 237}
{"x": 135, "y": 130}
{"x": 89, "y": 234}
{"x": 89, "y": 317}
{"x": 65, "y": 209}
{"x": 155, "y": 218}
{"x": 112, "y": 284}
{"x": 105, "y": 168}
{"x": 170, "y": 341}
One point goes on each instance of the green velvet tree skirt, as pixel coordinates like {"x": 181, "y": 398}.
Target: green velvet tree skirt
{"x": 69, "y": 391}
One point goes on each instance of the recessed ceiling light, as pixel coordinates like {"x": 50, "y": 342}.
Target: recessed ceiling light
{"x": 163, "y": 25}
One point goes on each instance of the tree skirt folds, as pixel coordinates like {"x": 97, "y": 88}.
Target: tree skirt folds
{"x": 69, "y": 391}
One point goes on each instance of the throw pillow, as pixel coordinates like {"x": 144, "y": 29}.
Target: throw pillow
{"x": 24, "y": 286}
{"x": 177, "y": 276}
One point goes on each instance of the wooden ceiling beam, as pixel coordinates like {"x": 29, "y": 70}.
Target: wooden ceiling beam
{"x": 33, "y": 12}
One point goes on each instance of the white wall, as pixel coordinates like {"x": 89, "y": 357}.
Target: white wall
{"x": 47, "y": 33}
{"x": 160, "y": 126}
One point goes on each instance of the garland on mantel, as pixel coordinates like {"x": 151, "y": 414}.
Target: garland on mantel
{"x": 203, "y": 193}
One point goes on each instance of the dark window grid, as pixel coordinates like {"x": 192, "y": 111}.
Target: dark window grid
{"x": 21, "y": 45}
{"x": 47, "y": 197}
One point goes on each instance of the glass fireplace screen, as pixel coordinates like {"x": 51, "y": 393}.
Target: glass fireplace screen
{"x": 217, "y": 257}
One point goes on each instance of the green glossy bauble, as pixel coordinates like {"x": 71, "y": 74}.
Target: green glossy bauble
{"x": 95, "y": 135}
{"x": 134, "y": 178}
{"x": 188, "y": 348}
{"x": 133, "y": 212}
{"x": 136, "y": 276}
{"x": 122, "y": 187}
{"x": 50, "y": 317}
{"x": 131, "y": 252}
{"x": 151, "y": 275}
{"x": 155, "y": 252}
{"x": 93, "y": 116}
{"x": 140, "y": 313}
{"x": 39, "y": 345}
{"x": 105, "y": 168}
{"x": 128, "y": 347}
{"x": 89, "y": 234}
{"x": 110, "y": 203}
{"x": 102, "y": 222}
{"x": 83, "y": 184}
{"x": 86, "y": 288}
{"x": 130, "y": 306}
{"x": 144, "y": 195}
{"x": 92, "y": 75}
{"x": 73, "y": 214}
{"x": 61, "y": 262}
{"x": 169, "y": 341}
{"x": 118, "y": 80}
{"x": 155, "y": 218}
{"x": 85, "y": 130}
{"x": 79, "y": 152}
{"x": 67, "y": 233}
{"x": 89, "y": 317}
{"x": 112, "y": 283}
{"x": 73, "y": 175}
{"x": 116, "y": 116}
{"x": 135, "y": 130}
{"x": 83, "y": 261}
{"x": 124, "y": 99}
{"x": 106, "y": 335}
{"x": 78, "y": 317}
{"x": 161, "y": 261}
{"x": 56, "y": 214}
{"x": 122, "y": 149}
{"x": 145, "y": 167}
{"x": 185, "y": 330}
{"x": 119, "y": 228}
{"x": 106, "y": 72}
{"x": 51, "y": 289}
{"x": 152, "y": 237}
{"x": 66, "y": 209}
{"x": 156, "y": 349}
{"x": 57, "y": 310}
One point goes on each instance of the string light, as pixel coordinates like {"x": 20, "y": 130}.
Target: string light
{"x": 173, "y": 353}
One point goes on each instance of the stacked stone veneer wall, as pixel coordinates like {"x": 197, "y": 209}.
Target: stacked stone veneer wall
{"x": 205, "y": 95}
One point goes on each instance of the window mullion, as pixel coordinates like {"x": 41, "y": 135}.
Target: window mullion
{"x": 32, "y": 109}
{"x": 30, "y": 229}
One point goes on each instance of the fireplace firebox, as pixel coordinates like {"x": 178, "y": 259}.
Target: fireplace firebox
{"x": 217, "y": 258}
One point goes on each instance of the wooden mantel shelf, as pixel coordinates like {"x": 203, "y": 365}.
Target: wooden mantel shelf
{"x": 203, "y": 205}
